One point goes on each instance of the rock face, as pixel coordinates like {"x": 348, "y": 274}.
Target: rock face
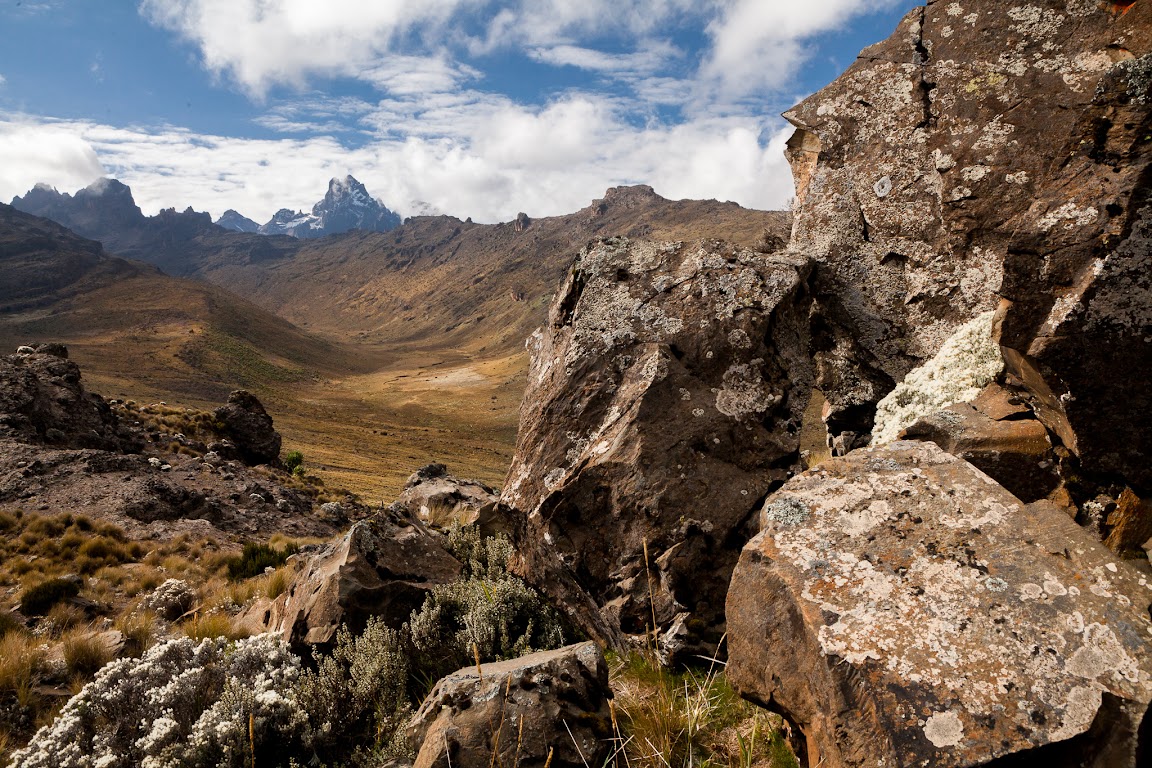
{"x": 433, "y": 495}
{"x": 236, "y": 221}
{"x": 1002, "y": 441}
{"x": 902, "y": 609}
{"x": 383, "y": 567}
{"x": 42, "y": 400}
{"x": 664, "y": 400}
{"x": 515, "y": 713}
{"x": 249, "y": 427}
{"x": 990, "y": 151}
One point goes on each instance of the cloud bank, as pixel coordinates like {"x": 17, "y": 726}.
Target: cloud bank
{"x": 665, "y": 100}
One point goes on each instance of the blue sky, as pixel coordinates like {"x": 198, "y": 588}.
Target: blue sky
{"x": 470, "y": 107}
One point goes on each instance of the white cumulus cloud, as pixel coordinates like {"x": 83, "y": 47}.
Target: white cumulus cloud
{"x": 32, "y": 153}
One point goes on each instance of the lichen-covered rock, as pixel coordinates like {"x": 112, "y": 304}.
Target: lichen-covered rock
{"x": 989, "y": 151}
{"x": 664, "y": 400}
{"x": 903, "y": 609}
{"x": 42, "y": 400}
{"x": 548, "y": 705}
{"x": 1015, "y": 452}
{"x": 433, "y": 495}
{"x": 249, "y": 427}
{"x": 384, "y": 566}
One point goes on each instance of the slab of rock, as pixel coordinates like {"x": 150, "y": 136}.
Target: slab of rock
{"x": 903, "y": 609}
{"x": 664, "y": 400}
{"x": 990, "y": 151}
{"x": 434, "y": 496}
{"x": 519, "y": 712}
{"x": 250, "y": 429}
{"x": 1129, "y": 525}
{"x": 384, "y": 566}
{"x": 1015, "y": 453}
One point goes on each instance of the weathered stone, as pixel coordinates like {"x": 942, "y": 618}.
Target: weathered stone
{"x": 1129, "y": 525}
{"x": 383, "y": 566}
{"x": 42, "y": 400}
{"x": 902, "y": 609}
{"x": 664, "y": 400}
{"x": 990, "y": 151}
{"x": 1015, "y": 453}
{"x": 434, "y": 496}
{"x": 519, "y": 712}
{"x": 249, "y": 427}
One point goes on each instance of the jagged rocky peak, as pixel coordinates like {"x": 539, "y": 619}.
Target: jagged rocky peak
{"x": 346, "y": 206}
{"x": 236, "y": 221}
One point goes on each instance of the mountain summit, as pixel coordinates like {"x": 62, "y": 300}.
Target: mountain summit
{"x": 345, "y": 207}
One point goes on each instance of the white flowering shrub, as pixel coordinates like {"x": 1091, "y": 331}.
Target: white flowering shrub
{"x": 490, "y": 612}
{"x": 967, "y": 362}
{"x": 182, "y": 705}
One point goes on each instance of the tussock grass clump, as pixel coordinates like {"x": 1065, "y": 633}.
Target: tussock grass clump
{"x": 211, "y": 626}
{"x": 85, "y": 653}
{"x": 667, "y": 719}
{"x": 257, "y": 557}
{"x": 39, "y": 598}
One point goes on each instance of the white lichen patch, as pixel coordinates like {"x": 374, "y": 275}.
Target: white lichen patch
{"x": 1068, "y": 216}
{"x": 967, "y": 362}
{"x": 944, "y": 729}
{"x": 744, "y": 392}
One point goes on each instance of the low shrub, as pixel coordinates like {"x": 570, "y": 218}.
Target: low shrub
{"x": 212, "y": 703}
{"x": 292, "y": 460}
{"x": 38, "y": 599}
{"x": 257, "y": 557}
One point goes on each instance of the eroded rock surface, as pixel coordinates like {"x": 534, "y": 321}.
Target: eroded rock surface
{"x": 989, "y": 151}
{"x": 664, "y": 400}
{"x": 250, "y": 428}
{"x": 383, "y": 566}
{"x": 42, "y": 400}
{"x": 552, "y": 704}
{"x": 903, "y": 609}
{"x": 433, "y": 495}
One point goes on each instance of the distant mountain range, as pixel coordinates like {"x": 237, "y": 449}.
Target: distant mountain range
{"x": 346, "y": 206}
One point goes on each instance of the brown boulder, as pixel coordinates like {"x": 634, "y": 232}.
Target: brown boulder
{"x": 1014, "y": 452}
{"x": 664, "y": 400}
{"x": 551, "y": 705}
{"x": 434, "y": 496}
{"x": 989, "y": 151}
{"x": 384, "y": 566}
{"x": 902, "y": 609}
{"x": 249, "y": 427}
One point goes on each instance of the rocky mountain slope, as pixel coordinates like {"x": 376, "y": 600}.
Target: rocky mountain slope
{"x": 346, "y": 206}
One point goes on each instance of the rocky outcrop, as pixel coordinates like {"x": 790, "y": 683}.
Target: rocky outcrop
{"x": 383, "y": 566}
{"x": 999, "y": 438}
{"x": 434, "y": 496}
{"x": 548, "y": 708}
{"x": 664, "y": 400}
{"x": 42, "y": 400}
{"x": 990, "y": 155}
{"x": 902, "y": 609}
{"x": 250, "y": 429}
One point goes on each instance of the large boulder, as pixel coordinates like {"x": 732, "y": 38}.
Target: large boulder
{"x": 245, "y": 422}
{"x": 903, "y": 609}
{"x": 546, "y": 708}
{"x": 383, "y": 566}
{"x": 990, "y": 155}
{"x": 433, "y": 495}
{"x": 664, "y": 400}
{"x": 42, "y": 400}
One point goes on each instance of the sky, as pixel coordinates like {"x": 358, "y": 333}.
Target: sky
{"x": 474, "y": 108}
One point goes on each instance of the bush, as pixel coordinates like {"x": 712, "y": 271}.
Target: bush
{"x": 257, "y": 557}
{"x": 38, "y": 599}
{"x": 490, "y": 613}
{"x": 292, "y": 460}
{"x": 213, "y": 703}
{"x": 358, "y": 694}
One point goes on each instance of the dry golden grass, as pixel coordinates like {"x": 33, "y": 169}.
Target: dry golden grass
{"x": 211, "y": 625}
{"x": 84, "y": 653}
